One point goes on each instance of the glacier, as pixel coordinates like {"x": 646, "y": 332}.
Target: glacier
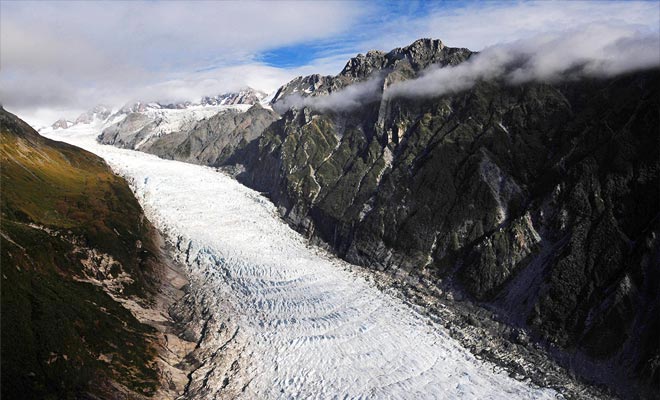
{"x": 279, "y": 318}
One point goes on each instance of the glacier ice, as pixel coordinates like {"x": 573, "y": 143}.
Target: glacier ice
{"x": 288, "y": 320}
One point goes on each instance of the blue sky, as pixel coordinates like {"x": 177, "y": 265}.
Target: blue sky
{"x": 374, "y": 16}
{"x": 58, "y": 57}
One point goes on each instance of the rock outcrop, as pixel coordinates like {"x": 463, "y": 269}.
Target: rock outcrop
{"x": 215, "y": 140}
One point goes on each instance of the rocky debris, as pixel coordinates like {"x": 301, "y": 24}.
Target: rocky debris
{"x": 102, "y": 270}
{"x": 210, "y": 323}
{"x": 174, "y": 349}
{"x": 486, "y": 333}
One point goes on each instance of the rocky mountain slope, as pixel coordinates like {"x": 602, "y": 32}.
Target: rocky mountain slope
{"x": 539, "y": 201}
{"x": 398, "y": 64}
{"x": 84, "y": 296}
{"x": 207, "y": 133}
{"x": 211, "y": 141}
{"x": 244, "y": 96}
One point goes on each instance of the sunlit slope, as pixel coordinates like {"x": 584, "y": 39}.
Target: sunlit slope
{"x": 67, "y": 219}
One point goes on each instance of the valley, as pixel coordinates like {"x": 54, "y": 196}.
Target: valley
{"x": 275, "y": 317}
{"x": 330, "y": 200}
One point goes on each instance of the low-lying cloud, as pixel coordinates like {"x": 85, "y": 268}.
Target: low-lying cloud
{"x": 346, "y": 99}
{"x": 592, "y": 52}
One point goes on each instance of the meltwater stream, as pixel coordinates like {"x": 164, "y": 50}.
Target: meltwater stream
{"x": 281, "y": 319}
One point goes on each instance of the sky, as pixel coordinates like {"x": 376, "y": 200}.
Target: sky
{"x": 60, "y": 58}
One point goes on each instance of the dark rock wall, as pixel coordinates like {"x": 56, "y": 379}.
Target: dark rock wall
{"x": 214, "y": 140}
{"x": 540, "y": 200}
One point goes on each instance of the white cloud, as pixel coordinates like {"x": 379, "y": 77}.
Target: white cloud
{"x": 597, "y": 51}
{"x": 348, "y": 98}
{"x": 70, "y": 55}
{"x": 478, "y": 25}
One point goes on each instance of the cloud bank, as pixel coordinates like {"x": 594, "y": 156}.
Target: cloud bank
{"x": 346, "y": 99}
{"x": 63, "y": 57}
{"x": 598, "y": 51}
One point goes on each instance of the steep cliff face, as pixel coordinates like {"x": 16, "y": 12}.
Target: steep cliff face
{"x": 540, "y": 200}
{"x": 214, "y": 140}
{"x": 204, "y": 135}
{"x": 76, "y": 251}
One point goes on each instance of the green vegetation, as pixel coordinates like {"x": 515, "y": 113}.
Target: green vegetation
{"x": 61, "y": 337}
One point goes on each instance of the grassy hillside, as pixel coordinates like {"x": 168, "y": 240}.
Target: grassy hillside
{"x": 69, "y": 229}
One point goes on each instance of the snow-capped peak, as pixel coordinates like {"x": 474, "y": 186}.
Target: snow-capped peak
{"x": 62, "y": 123}
{"x": 244, "y": 96}
{"x": 238, "y": 99}
{"x": 100, "y": 112}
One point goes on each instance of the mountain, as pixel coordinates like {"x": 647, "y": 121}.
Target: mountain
{"x": 157, "y": 118}
{"x": 538, "y": 201}
{"x": 212, "y": 141}
{"x": 99, "y": 112}
{"x": 207, "y": 133}
{"x": 131, "y": 129}
{"x": 398, "y": 64}
{"x": 62, "y": 124}
{"x": 81, "y": 278}
{"x": 245, "y": 96}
